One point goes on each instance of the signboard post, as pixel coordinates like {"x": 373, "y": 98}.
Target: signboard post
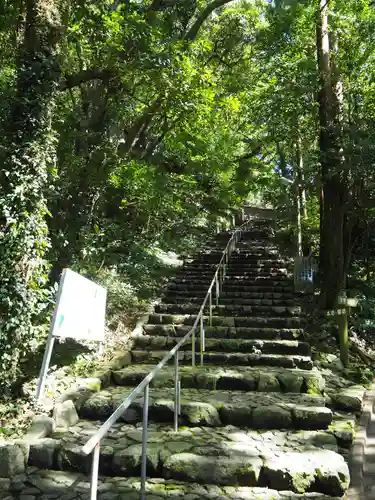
{"x": 79, "y": 314}
{"x": 341, "y": 313}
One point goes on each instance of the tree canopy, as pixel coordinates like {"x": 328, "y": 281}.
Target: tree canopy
{"x": 126, "y": 125}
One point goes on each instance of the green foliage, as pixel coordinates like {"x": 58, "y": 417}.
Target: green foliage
{"x": 27, "y": 152}
{"x": 130, "y": 128}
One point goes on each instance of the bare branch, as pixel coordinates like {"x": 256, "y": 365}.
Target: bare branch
{"x": 84, "y": 76}
{"x": 193, "y": 31}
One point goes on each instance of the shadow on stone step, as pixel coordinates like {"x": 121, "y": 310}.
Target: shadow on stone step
{"x": 64, "y": 354}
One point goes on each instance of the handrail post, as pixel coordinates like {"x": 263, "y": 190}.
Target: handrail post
{"x": 217, "y": 289}
{"x": 210, "y": 306}
{"x": 177, "y": 392}
{"x": 202, "y": 340}
{"x": 95, "y": 472}
{"x": 144, "y": 442}
{"x": 193, "y": 348}
{"x": 233, "y": 246}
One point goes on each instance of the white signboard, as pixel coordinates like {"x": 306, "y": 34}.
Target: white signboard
{"x": 79, "y": 314}
{"x": 80, "y": 308}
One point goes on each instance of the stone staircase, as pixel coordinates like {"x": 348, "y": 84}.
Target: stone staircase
{"x": 254, "y": 422}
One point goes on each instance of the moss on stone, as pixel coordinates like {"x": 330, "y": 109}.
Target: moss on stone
{"x": 313, "y": 385}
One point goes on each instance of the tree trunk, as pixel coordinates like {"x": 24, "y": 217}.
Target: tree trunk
{"x": 301, "y": 179}
{"x": 334, "y": 187}
{"x": 28, "y": 155}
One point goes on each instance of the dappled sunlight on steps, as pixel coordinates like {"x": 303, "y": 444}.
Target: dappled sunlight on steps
{"x": 254, "y": 420}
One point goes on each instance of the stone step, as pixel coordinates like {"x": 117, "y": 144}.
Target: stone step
{"x": 201, "y": 293}
{"x": 173, "y": 292}
{"x": 229, "y": 287}
{"x": 232, "y": 293}
{"x": 230, "y": 309}
{"x": 66, "y": 485}
{"x": 245, "y": 263}
{"x": 240, "y": 301}
{"x": 229, "y": 456}
{"x": 244, "y": 253}
{"x": 238, "y": 321}
{"x": 228, "y": 359}
{"x": 238, "y": 258}
{"x": 255, "y": 346}
{"x": 234, "y": 280}
{"x": 260, "y": 272}
{"x": 254, "y": 274}
{"x": 235, "y": 268}
{"x": 258, "y": 238}
{"x": 260, "y": 280}
{"x": 262, "y": 285}
{"x": 234, "y": 271}
{"x": 254, "y": 410}
{"x": 227, "y": 332}
{"x": 239, "y": 255}
{"x": 248, "y": 235}
{"x": 257, "y": 243}
{"x": 233, "y": 378}
{"x": 251, "y": 263}
{"x": 267, "y": 285}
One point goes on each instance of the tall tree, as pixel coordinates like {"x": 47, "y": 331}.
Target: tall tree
{"x": 27, "y": 156}
{"x": 334, "y": 187}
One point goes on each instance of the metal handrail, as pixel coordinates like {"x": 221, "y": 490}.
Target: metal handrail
{"x": 93, "y": 444}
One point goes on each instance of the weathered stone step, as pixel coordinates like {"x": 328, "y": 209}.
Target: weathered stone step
{"x": 246, "y": 263}
{"x": 252, "y": 239}
{"x": 246, "y": 284}
{"x": 258, "y": 232}
{"x": 256, "y": 288}
{"x": 240, "y": 260}
{"x": 229, "y": 359}
{"x": 271, "y": 303}
{"x": 238, "y": 321}
{"x": 272, "y": 273}
{"x": 240, "y": 301}
{"x": 233, "y": 378}
{"x": 237, "y": 271}
{"x": 252, "y": 243}
{"x": 216, "y": 408}
{"x": 227, "y": 440}
{"x": 198, "y": 293}
{"x": 233, "y": 293}
{"x": 234, "y": 281}
{"x": 249, "y": 264}
{"x": 239, "y": 254}
{"x": 239, "y": 276}
{"x": 54, "y": 485}
{"x": 203, "y": 455}
{"x": 173, "y": 292}
{"x": 229, "y": 289}
{"x": 227, "y": 332}
{"x": 232, "y": 285}
{"x": 230, "y": 309}
{"x": 247, "y": 254}
{"x": 212, "y": 255}
{"x": 255, "y": 346}
{"x": 260, "y": 280}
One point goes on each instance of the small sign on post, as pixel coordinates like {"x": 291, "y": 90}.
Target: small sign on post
{"x": 344, "y": 306}
{"x": 79, "y": 314}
